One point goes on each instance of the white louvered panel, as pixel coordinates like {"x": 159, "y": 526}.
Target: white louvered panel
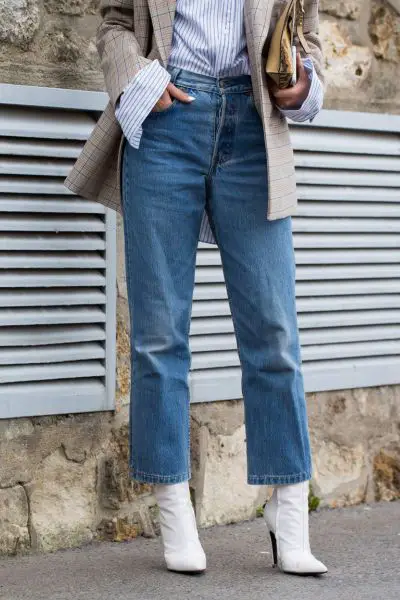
{"x": 45, "y": 204}
{"x": 50, "y": 334}
{"x": 51, "y": 354}
{"x": 51, "y": 241}
{"x": 324, "y": 257}
{"x": 74, "y": 370}
{"x": 307, "y": 305}
{"x": 50, "y": 316}
{"x": 317, "y": 273}
{"x": 336, "y": 335}
{"x": 51, "y": 297}
{"x": 347, "y": 244}
{"x": 53, "y": 397}
{"x": 53, "y": 260}
{"x": 57, "y": 263}
{"x": 217, "y": 325}
{"x": 225, "y": 383}
{"x": 47, "y": 278}
{"x": 319, "y": 288}
{"x": 338, "y": 194}
{"x": 44, "y": 167}
{"x": 33, "y": 147}
{"x": 52, "y": 224}
{"x": 215, "y": 360}
{"x": 320, "y": 160}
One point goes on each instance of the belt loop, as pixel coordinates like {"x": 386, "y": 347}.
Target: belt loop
{"x": 175, "y": 72}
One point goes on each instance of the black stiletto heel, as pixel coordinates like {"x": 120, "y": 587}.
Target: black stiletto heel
{"x": 274, "y": 547}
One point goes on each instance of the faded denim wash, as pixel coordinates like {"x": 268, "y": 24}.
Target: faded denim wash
{"x": 210, "y": 154}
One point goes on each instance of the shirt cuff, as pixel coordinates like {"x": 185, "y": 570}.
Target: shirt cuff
{"x": 138, "y": 100}
{"x": 313, "y": 103}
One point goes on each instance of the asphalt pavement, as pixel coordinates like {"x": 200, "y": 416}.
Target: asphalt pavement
{"x": 360, "y": 546}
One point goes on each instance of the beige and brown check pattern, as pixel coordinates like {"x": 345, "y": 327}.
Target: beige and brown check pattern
{"x": 133, "y": 33}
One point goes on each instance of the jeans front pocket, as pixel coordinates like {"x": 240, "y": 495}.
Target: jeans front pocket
{"x": 153, "y": 113}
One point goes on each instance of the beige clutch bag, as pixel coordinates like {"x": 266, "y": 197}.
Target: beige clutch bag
{"x": 281, "y": 58}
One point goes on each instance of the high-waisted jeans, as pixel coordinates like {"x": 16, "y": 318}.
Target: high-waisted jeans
{"x": 210, "y": 154}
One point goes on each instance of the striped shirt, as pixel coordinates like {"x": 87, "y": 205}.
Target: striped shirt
{"x": 208, "y": 38}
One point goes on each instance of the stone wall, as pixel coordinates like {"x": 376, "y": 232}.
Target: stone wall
{"x": 64, "y": 480}
{"x": 52, "y": 43}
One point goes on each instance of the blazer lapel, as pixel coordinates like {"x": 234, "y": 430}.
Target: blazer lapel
{"x": 162, "y": 15}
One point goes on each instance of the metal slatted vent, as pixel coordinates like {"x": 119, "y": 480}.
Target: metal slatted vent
{"x": 57, "y": 261}
{"x": 347, "y": 243}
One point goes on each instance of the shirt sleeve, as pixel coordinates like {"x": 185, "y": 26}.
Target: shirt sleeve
{"x": 138, "y": 100}
{"x": 313, "y": 103}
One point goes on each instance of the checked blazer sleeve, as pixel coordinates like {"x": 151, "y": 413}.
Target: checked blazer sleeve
{"x": 119, "y": 47}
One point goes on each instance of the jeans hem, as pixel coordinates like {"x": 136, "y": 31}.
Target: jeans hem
{"x": 142, "y": 477}
{"x": 279, "y": 479}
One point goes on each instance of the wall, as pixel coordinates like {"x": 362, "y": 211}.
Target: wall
{"x": 64, "y": 480}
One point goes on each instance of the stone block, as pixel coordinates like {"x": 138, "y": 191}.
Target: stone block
{"x": 384, "y": 29}
{"x": 340, "y": 473}
{"x": 221, "y": 492}
{"x": 19, "y": 21}
{"x": 347, "y": 9}
{"x": 347, "y": 66}
{"x": 14, "y": 533}
{"x": 24, "y": 443}
{"x": 386, "y": 468}
{"x": 72, "y": 7}
{"x": 62, "y": 501}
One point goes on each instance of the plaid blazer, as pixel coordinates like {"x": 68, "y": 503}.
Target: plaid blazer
{"x": 134, "y": 32}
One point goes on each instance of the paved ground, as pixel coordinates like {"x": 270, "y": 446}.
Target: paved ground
{"x": 361, "y": 547}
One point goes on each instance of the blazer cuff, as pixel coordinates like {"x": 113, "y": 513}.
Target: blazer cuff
{"x": 138, "y": 100}
{"x": 314, "y": 101}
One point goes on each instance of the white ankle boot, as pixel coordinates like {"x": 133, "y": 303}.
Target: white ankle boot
{"x": 182, "y": 548}
{"x": 286, "y": 515}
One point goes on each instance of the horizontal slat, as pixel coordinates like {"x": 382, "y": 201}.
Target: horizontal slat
{"x": 29, "y": 279}
{"x": 51, "y": 354}
{"x": 349, "y": 209}
{"x": 52, "y": 241}
{"x": 353, "y": 178}
{"x": 50, "y": 316}
{"x": 51, "y": 260}
{"x": 54, "y": 397}
{"x": 215, "y": 291}
{"x": 345, "y": 141}
{"x": 322, "y": 257}
{"x": 311, "y": 273}
{"x": 19, "y": 223}
{"x": 51, "y": 297}
{"x": 323, "y": 160}
{"x": 34, "y": 185}
{"x": 346, "y": 240}
{"x": 225, "y": 384}
{"x": 70, "y": 370}
{"x": 49, "y": 204}
{"x": 213, "y": 308}
{"x": 216, "y": 360}
{"x": 51, "y": 334}
{"x": 339, "y": 193}
{"x": 37, "y": 147}
{"x": 217, "y": 325}
{"x": 308, "y": 337}
{"x": 45, "y": 124}
{"x": 35, "y": 166}
{"x": 344, "y": 225}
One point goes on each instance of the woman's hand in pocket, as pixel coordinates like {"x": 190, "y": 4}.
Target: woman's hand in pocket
{"x": 172, "y": 93}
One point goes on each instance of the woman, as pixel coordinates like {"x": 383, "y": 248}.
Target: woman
{"x": 207, "y": 157}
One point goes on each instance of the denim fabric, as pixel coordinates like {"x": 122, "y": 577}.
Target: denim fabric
{"x": 210, "y": 154}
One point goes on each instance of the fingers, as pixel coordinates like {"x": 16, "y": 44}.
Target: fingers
{"x": 164, "y": 102}
{"x": 179, "y": 94}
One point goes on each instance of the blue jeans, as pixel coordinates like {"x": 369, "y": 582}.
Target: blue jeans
{"x": 210, "y": 154}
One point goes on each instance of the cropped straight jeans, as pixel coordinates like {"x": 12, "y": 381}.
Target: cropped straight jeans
{"x": 210, "y": 154}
